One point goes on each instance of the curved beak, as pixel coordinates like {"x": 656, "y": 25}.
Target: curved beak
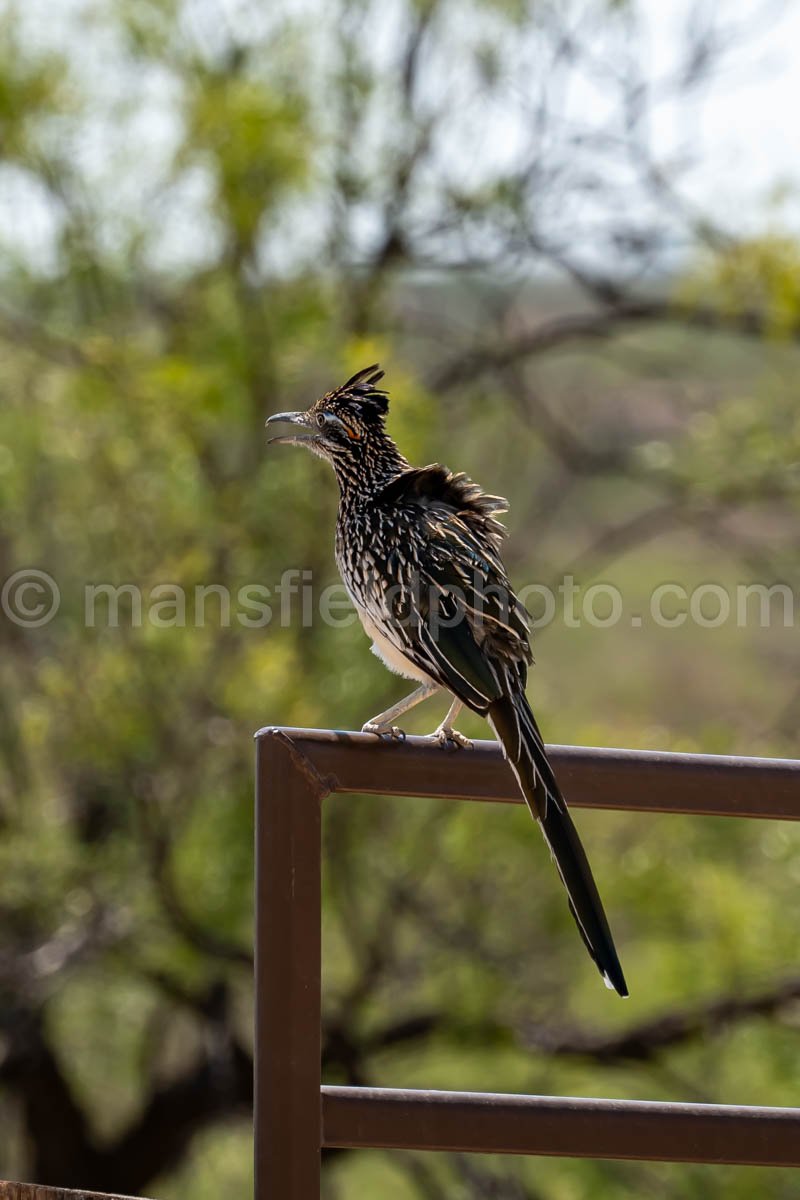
{"x": 291, "y": 418}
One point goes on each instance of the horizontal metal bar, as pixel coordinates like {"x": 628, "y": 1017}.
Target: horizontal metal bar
{"x": 639, "y": 780}
{"x": 372, "y": 1118}
{"x": 35, "y": 1191}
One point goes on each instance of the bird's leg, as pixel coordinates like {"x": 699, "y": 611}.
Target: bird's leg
{"x": 383, "y": 723}
{"x": 447, "y": 737}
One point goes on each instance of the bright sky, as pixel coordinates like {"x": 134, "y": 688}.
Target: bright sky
{"x": 749, "y": 126}
{"x": 743, "y": 129}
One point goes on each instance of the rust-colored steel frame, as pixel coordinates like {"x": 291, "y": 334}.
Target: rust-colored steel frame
{"x": 35, "y": 1191}
{"x": 295, "y": 1117}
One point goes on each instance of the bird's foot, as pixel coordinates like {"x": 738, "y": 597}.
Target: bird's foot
{"x": 393, "y": 732}
{"x": 450, "y": 739}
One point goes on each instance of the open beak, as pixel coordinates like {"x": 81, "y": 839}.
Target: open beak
{"x": 299, "y": 419}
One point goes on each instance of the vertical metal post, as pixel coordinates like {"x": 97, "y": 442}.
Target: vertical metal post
{"x": 288, "y": 1131}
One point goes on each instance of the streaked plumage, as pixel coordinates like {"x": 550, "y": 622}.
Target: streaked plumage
{"x": 419, "y": 552}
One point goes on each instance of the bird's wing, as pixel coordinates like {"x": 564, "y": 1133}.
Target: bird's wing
{"x": 451, "y": 610}
{"x": 457, "y": 619}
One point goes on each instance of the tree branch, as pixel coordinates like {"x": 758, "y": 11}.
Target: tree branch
{"x": 558, "y": 332}
{"x": 645, "y": 1040}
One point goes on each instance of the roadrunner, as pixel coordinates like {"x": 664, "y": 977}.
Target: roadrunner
{"x": 418, "y": 549}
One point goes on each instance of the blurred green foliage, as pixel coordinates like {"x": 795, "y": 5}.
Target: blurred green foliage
{"x": 134, "y": 388}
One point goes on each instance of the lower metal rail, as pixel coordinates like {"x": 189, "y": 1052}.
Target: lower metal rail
{"x": 370, "y": 1118}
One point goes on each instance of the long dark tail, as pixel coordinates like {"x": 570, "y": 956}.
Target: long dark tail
{"x": 516, "y": 728}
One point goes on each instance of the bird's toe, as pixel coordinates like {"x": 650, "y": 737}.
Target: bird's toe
{"x": 450, "y": 739}
{"x": 392, "y": 732}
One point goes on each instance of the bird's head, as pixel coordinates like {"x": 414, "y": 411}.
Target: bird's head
{"x": 344, "y": 424}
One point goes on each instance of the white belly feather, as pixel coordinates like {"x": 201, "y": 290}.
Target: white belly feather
{"x": 388, "y": 653}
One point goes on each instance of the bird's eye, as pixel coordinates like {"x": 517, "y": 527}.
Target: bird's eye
{"x": 321, "y": 420}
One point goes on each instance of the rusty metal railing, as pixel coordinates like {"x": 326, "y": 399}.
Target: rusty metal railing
{"x": 35, "y": 1191}
{"x": 295, "y": 1117}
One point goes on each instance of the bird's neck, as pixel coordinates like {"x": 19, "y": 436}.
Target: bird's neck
{"x": 361, "y": 477}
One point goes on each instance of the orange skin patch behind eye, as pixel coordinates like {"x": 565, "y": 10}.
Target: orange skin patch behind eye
{"x": 353, "y": 434}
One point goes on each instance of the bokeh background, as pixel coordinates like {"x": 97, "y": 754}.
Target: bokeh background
{"x": 569, "y": 232}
